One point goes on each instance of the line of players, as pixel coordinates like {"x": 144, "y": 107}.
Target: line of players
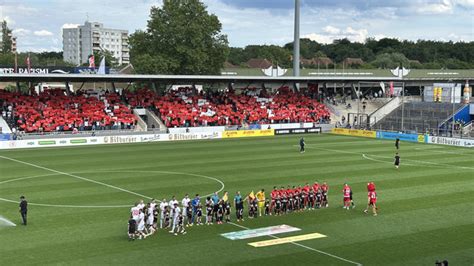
{"x": 308, "y": 197}
{"x": 144, "y": 217}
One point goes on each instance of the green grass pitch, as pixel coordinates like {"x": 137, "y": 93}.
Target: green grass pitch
{"x": 426, "y": 209}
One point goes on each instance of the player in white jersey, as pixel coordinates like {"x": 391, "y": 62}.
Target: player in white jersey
{"x": 185, "y": 203}
{"x": 150, "y": 220}
{"x": 163, "y": 206}
{"x": 135, "y": 211}
{"x": 149, "y": 215}
{"x": 141, "y": 225}
{"x": 153, "y": 204}
{"x": 152, "y": 210}
{"x": 175, "y": 214}
{"x": 141, "y": 205}
{"x": 173, "y": 202}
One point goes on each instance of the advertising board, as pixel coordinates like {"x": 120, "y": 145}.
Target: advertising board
{"x": 354, "y": 132}
{"x": 451, "y": 141}
{"x": 248, "y": 133}
{"x": 316, "y": 130}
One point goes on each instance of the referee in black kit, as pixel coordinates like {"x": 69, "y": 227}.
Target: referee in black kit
{"x": 302, "y": 145}
{"x": 23, "y": 208}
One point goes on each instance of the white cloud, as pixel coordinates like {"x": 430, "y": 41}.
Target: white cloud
{"x": 331, "y": 30}
{"x": 465, "y": 3}
{"x": 442, "y": 7}
{"x": 9, "y": 20}
{"x": 319, "y": 38}
{"x": 21, "y": 32}
{"x": 356, "y": 35}
{"x": 380, "y": 36}
{"x": 332, "y": 33}
{"x": 69, "y": 26}
{"x": 43, "y": 33}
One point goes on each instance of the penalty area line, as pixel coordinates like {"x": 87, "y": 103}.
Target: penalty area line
{"x": 303, "y": 246}
{"x": 75, "y": 176}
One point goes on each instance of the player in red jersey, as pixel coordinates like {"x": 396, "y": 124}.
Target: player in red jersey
{"x": 370, "y": 186}
{"x": 315, "y": 186}
{"x": 274, "y": 195}
{"x": 289, "y": 190}
{"x": 325, "y": 189}
{"x": 371, "y": 202}
{"x": 306, "y": 195}
{"x": 346, "y": 191}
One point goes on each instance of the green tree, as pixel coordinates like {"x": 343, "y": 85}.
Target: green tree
{"x": 110, "y": 60}
{"x": 391, "y": 60}
{"x": 181, "y": 38}
{"x": 237, "y": 56}
{"x": 6, "y": 38}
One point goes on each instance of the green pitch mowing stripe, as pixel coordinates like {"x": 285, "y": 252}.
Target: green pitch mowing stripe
{"x": 425, "y": 207}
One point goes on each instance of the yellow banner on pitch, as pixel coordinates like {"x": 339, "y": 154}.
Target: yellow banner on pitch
{"x": 278, "y": 241}
{"x": 247, "y": 133}
{"x": 354, "y": 132}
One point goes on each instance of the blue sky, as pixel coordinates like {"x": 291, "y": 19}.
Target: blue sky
{"x": 38, "y": 23}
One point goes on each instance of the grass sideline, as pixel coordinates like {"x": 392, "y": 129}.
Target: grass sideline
{"x": 425, "y": 208}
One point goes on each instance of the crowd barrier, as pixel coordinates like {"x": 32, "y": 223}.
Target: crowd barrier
{"x": 62, "y": 142}
{"x": 248, "y": 133}
{"x": 317, "y": 130}
{"x": 354, "y": 132}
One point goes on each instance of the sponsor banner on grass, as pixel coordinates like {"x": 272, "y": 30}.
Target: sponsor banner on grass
{"x": 248, "y": 133}
{"x": 451, "y": 141}
{"x": 285, "y": 240}
{"x": 354, "y": 132}
{"x": 265, "y": 231}
{"x": 401, "y": 136}
{"x": 297, "y": 131}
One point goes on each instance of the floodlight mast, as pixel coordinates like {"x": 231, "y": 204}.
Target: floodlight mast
{"x": 296, "y": 42}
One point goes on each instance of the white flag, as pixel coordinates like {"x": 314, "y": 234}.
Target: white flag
{"x": 102, "y": 67}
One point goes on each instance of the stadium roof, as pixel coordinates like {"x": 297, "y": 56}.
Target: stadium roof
{"x": 173, "y": 79}
{"x": 251, "y": 75}
{"x": 457, "y": 74}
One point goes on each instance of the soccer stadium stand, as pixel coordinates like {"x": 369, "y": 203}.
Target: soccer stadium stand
{"x": 418, "y": 116}
{"x": 188, "y": 107}
{"x": 53, "y": 110}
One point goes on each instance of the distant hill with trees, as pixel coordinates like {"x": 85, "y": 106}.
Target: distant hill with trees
{"x": 383, "y": 53}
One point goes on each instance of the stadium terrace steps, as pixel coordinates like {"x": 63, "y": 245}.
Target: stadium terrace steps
{"x": 418, "y": 116}
{"x": 337, "y": 111}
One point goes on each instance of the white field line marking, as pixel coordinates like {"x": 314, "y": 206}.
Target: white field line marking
{"x": 416, "y": 161}
{"x": 131, "y": 192}
{"x": 104, "y": 171}
{"x": 6, "y": 221}
{"x": 380, "y": 161}
{"x": 172, "y": 173}
{"x": 428, "y": 163}
{"x": 24, "y": 178}
{"x": 448, "y": 152}
{"x": 303, "y": 246}
{"x": 75, "y": 176}
{"x": 69, "y": 206}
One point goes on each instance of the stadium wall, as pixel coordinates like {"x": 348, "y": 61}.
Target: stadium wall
{"x": 450, "y": 141}
{"x": 405, "y": 137}
{"x": 63, "y": 142}
{"x": 354, "y": 132}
